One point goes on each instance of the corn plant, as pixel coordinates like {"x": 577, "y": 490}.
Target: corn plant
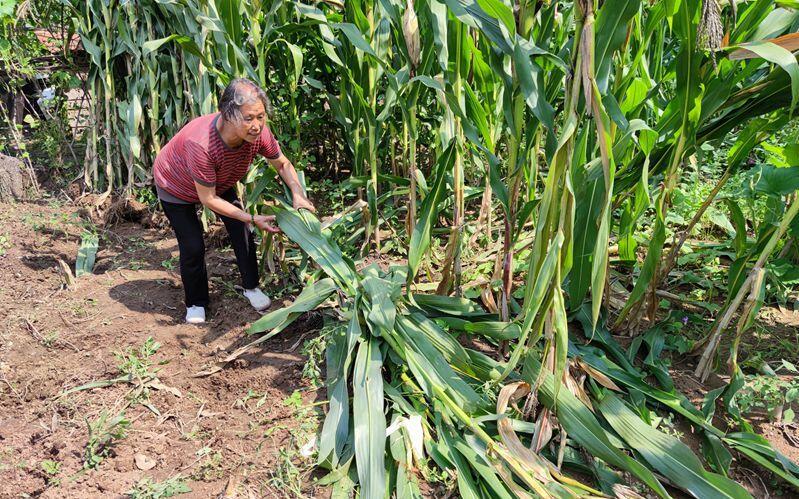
{"x": 130, "y": 38}
{"x": 445, "y": 405}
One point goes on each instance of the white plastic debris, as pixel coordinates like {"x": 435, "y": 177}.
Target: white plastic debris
{"x": 48, "y": 95}
{"x": 413, "y": 431}
{"x": 309, "y": 448}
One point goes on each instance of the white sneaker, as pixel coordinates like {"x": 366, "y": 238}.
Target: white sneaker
{"x": 195, "y": 314}
{"x": 257, "y": 298}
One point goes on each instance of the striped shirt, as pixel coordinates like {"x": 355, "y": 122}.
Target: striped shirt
{"x": 198, "y": 154}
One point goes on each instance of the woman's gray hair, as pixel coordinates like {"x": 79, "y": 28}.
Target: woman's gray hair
{"x": 239, "y": 92}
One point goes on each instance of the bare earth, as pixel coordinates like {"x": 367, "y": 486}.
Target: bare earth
{"x": 238, "y": 431}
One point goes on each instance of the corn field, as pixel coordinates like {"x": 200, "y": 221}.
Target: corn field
{"x": 541, "y": 142}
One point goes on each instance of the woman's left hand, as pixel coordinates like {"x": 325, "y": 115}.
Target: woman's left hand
{"x": 302, "y": 202}
{"x": 266, "y": 222}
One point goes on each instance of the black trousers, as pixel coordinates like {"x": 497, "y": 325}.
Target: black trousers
{"x": 189, "y": 233}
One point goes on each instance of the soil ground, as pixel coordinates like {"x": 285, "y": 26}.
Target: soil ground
{"x": 238, "y": 430}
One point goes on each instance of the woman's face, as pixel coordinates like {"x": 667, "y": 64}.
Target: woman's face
{"x": 252, "y": 121}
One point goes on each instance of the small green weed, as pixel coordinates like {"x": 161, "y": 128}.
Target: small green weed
{"x": 5, "y": 243}
{"x": 50, "y": 339}
{"x": 170, "y": 262}
{"x": 51, "y": 469}
{"x": 314, "y": 350}
{"x": 135, "y": 265}
{"x": 286, "y": 476}
{"x": 137, "y": 363}
{"x": 104, "y": 432}
{"x": 229, "y": 289}
{"x": 137, "y": 243}
{"x": 148, "y": 489}
{"x": 668, "y": 425}
{"x": 81, "y": 310}
{"x": 197, "y": 433}
{"x": 251, "y": 395}
{"x": 294, "y": 459}
{"x": 293, "y": 400}
{"x": 771, "y": 393}
{"x": 147, "y": 196}
{"x": 210, "y": 468}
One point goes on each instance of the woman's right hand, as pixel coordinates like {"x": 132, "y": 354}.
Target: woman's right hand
{"x": 266, "y": 222}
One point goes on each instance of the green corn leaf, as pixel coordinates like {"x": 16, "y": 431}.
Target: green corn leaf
{"x": 599, "y": 264}
{"x": 611, "y": 30}
{"x": 355, "y": 37}
{"x": 311, "y": 297}
{"x": 297, "y": 57}
{"x": 303, "y": 228}
{"x": 468, "y": 487}
{"x": 485, "y": 367}
{"x": 447, "y": 305}
{"x": 499, "y": 10}
{"x": 95, "y": 52}
{"x": 601, "y": 335}
{"x": 474, "y": 452}
{"x": 335, "y": 429}
{"x": 420, "y": 239}
{"x": 438, "y": 24}
{"x": 651, "y": 263}
{"x": 675, "y": 401}
{"x": 627, "y": 242}
{"x": 739, "y": 222}
{"x": 536, "y": 290}
{"x": 428, "y": 82}
{"x": 430, "y": 367}
{"x": 258, "y": 187}
{"x": 87, "y": 252}
{"x": 784, "y": 58}
{"x": 369, "y": 422}
{"x": 310, "y": 12}
{"x": 759, "y": 450}
{"x": 560, "y": 329}
{"x": 134, "y": 117}
{"x": 452, "y": 351}
{"x": 717, "y": 456}
{"x": 628, "y": 224}
{"x": 185, "y": 42}
{"x": 589, "y": 195}
{"x": 667, "y": 454}
{"x": 230, "y": 15}
{"x": 529, "y": 78}
{"x": 477, "y": 115}
{"x": 497, "y": 330}
{"x": 382, "y": 311}
{"x": 471, "y": 13}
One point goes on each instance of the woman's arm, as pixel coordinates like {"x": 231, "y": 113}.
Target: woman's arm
{"x": 210, "y": 200}
{"x": 289, "y": 175}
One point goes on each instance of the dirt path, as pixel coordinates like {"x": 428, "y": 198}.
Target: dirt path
{"x": 242, "y": 427}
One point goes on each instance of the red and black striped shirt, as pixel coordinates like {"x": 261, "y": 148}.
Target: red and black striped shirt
{"x": 198, "y": 154}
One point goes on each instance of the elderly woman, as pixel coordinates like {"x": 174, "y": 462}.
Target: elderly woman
{"x": 201, "y": 164}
